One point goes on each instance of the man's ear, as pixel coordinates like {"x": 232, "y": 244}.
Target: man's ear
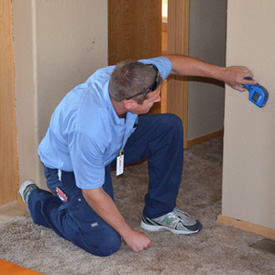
{"x": 129, "y": 104}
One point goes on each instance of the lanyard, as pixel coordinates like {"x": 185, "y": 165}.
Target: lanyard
{"x": 120, "y": 158}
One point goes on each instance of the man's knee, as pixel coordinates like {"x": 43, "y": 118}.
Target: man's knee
{"x": 172, "y": 123}
{"x": 171, "y": 119}
{"x": 106, "y": 244}
{"x": 110, "y": 245}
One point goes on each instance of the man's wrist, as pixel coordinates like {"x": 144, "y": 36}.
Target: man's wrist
{"x": 126, "y": 232}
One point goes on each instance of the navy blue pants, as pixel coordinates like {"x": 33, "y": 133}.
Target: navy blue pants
{"x": 158, "y": 138}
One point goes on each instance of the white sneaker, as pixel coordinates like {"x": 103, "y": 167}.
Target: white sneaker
{"x": 25, "y": 189}
{"x": 176, "y": 221}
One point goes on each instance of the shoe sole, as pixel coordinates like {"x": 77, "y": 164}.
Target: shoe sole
{"x": 155, "y": 228}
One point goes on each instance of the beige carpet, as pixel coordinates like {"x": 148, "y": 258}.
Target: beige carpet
{"x": 217, "y": 249}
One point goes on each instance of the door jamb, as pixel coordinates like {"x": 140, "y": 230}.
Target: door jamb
{"x": 178, "y": 43}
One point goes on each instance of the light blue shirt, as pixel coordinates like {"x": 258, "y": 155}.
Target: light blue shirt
{"x": 85, "y": 133}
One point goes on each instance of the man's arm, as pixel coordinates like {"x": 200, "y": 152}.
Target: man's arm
{"x": 233, "y": 76}
{"x": 104, "y": 206}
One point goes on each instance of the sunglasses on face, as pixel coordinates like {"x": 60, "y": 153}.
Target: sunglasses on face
{"x": 152, "y": 87}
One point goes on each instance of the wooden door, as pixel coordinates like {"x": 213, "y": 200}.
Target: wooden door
{"x": 8, "y": 153}
{"x": 134, "y": 31}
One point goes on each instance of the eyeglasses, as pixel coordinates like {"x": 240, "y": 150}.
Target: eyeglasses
{"x": 151, "y": 88}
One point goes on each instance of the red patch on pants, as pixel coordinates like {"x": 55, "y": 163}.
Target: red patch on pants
{"x": 61, "y": 194}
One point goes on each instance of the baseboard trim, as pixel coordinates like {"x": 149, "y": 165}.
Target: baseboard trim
{"x": 199, "y": 140}
{"x": 249, "y": 227}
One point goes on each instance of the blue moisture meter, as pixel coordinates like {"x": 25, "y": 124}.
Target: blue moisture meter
{"x": 257, "y": 93}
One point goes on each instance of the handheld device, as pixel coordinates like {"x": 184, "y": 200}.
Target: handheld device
{"x": 257, "y": 93}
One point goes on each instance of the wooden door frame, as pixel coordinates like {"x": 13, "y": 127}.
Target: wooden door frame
{"x": 8, "y": 146}
{"x": 178, "y": 43}
{"x": 175, "y": 97}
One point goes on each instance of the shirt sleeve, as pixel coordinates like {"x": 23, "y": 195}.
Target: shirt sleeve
{"x": 87, "y": 161}
{"x": 163, "y": 64}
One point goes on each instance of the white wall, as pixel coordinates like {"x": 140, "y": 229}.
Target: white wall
{"x": 249, "y": 141}
{"x": 57, "y": 45}
{"x": 206, "y": 42}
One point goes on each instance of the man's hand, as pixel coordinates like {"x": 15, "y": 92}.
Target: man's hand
{"x": 137, "y": 241}
{"x": 234, "y": 77}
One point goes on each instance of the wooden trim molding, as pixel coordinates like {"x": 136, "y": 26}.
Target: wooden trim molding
{"x": 249, "y": 227}
{"x": 178, "y": 43}
{"x": 199, "y": 140}
{"x": 8, "y": 142}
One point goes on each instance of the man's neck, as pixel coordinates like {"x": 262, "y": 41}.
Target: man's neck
{"x": 119, "y": 108}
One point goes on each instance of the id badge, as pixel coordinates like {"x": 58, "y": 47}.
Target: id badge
{"x": 120, "y": 164}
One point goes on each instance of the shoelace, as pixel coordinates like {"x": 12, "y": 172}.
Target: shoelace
{"x": 180, "y": 213}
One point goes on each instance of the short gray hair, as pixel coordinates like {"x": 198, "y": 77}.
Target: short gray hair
{"x": 130, "y": 78}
